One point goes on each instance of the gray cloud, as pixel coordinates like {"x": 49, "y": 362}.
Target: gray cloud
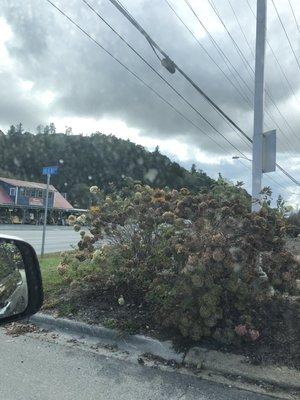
{"x": 49, "y": 51}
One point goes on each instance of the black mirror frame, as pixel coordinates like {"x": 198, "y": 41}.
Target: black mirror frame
{"x": 33, "y": 277}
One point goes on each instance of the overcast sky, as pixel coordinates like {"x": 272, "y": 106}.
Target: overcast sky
{"x": 51, "y": 72}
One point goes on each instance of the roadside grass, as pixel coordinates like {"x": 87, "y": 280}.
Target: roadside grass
{"x": 53, "y": 283}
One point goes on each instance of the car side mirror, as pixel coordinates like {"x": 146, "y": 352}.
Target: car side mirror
{"x": 21, "y": 292}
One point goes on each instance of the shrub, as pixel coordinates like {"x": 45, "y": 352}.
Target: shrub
{"x": 294, "y": 224}
{"x": 202, "y": 263}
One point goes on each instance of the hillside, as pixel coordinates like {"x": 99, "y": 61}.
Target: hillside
{"x": 90, "y": 160}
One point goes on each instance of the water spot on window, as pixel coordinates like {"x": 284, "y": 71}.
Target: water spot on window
{"x": 17, "y": 162}
{"x": 151, "y": 174}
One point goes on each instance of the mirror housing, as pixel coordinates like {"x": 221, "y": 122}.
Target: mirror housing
{"x": 34, "y": 290}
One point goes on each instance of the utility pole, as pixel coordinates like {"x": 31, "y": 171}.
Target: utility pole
{"x": 259, "y": 98}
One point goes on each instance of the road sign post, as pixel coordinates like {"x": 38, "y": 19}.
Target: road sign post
{"x": 47, "y": 171}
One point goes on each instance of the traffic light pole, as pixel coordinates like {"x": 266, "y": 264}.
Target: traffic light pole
{"x": 45, "y": 215}
{"x": 259, "y": 97}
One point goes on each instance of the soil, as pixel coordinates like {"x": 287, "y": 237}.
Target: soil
{"x": 17, "y": 329}
{"x": 133, "y": 318}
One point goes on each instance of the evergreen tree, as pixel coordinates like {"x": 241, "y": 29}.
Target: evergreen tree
{"x": 39, "y": 129}
{"x": 12, "y": 130}
{"x": 19, "y": 128}
{"x": 193, "y": 169}
{"x": 91, "y": 160}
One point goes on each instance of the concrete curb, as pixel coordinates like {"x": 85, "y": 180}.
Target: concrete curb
{"x": 238, "y": 366}
{"x": 225, "y": 364}
{"x": 137, "y": 343}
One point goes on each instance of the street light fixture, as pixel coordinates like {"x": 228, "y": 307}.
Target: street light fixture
{"x": 243, "y": 158}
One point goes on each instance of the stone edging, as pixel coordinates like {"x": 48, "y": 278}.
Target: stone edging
{"x": 226, "y": 364}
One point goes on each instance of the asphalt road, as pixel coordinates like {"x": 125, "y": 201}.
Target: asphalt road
{"x": 33, "y": 368}
{"x": 58, "y": 238}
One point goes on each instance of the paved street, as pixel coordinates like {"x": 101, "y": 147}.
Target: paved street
{"x": 58, "y": 238}
{"x": 34, "y": 368}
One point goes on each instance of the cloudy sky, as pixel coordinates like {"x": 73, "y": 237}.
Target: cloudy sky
{"x": 51, "y": 72}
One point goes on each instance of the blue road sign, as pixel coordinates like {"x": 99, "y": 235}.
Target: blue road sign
{"x": 50, "y": 170}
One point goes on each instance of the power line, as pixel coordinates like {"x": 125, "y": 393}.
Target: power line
{"x": 162, "y": 78}
{"x": 218, "y": 48}
{"x": 294, "y": 15}
{"x": 120, "y": 7}
{"x": 251, "y": 91}
{"x": 286, "y": 34}
{"x": 206, "y": 52}
{"x": 292, "y": 92}
{"x": 237, "y": 47}
{"x": 276, "y": 59}
{"x": 200, "y": 44}
{"x": 280, "y": 185}
{"x": 295, "y": 135}
{"x": 221, "y": 52}
{"x": 154, "y": 45}
{"x": 129, "y": 70}
{"x": 247, "y": 64}
{"x": 135, "y": 75}
{"x": 241, "y": 28}
{"x": 154, "y": 91}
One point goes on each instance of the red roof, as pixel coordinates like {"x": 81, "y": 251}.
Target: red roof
{"x": 59, "y": 200}
{"x": 27, "y": 184}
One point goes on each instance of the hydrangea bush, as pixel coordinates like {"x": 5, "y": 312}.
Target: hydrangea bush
{"x": 202, "y": 263}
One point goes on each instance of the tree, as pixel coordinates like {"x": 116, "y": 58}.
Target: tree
{"x": 52, "y": 128}
{"x": 46, "y": 130}
{"x": 282, "y": 208}
{"x": 68, "y": 130}
{"x": 39, "y": 129}
{"x": 91, "y": 160}
{"x": 12, "y": 130}
{"x": 193, "y": 169}
{"x": 19, "y": 128}
{"x": 80, "y": 195}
